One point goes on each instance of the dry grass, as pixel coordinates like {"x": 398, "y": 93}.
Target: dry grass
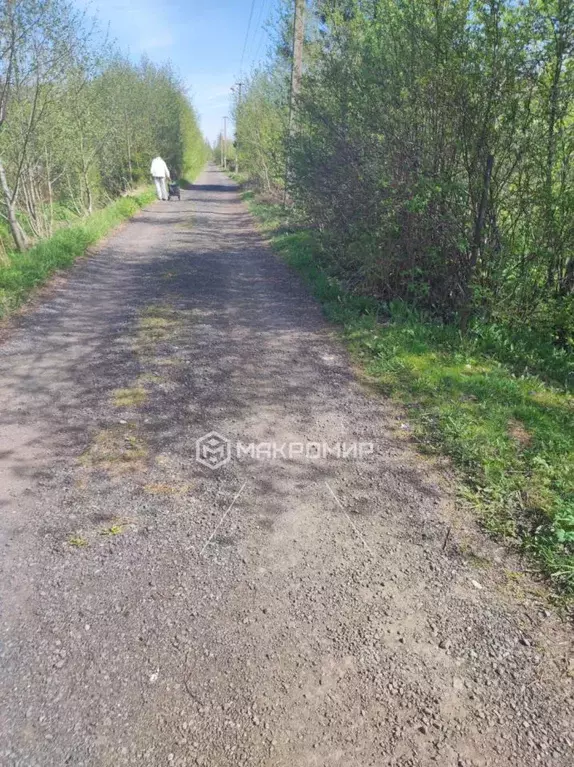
{"x": 132, "y": 397}
{"x": 117, "y": 449}
{"x": 163, "y": 488}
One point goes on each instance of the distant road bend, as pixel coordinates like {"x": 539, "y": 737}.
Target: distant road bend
{"x": 289, "y": 608}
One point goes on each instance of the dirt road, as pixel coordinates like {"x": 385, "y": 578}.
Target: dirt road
{"x": 292, "y": 607}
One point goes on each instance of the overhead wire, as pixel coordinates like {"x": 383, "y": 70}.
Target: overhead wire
{"x": 259, "y": 28}
{"x": 247, "y": 34}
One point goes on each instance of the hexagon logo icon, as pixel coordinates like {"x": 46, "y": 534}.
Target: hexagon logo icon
{"x": 212, "y": 450}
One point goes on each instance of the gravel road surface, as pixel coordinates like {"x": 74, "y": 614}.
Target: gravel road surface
{"x": 295, "y": 606}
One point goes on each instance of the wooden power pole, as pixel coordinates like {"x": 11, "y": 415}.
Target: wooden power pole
{"x": 239, "y": 86}
{"x": 225, "y": 142}
{"x": 297, "y": 62}
{"x": 296, "y": 72}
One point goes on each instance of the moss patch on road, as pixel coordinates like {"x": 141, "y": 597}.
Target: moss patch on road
{"x": 77, "y": 541}
{"x": 131, "y": 397}
{"x": 509, "y": 431}
{"x": 117, "y": 449}
{"x": 156, "y": 324}
{"x": 165, "y": 488}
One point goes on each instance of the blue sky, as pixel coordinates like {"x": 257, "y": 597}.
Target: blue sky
{"x": 203, "y": 38}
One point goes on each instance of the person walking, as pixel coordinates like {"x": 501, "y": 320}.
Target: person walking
{"x": 160, "y": 172}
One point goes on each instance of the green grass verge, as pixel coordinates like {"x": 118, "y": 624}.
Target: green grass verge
{"x": 510, "y": 434}
{"x": 24, "y": 272}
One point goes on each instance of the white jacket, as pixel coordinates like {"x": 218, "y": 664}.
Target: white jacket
{"x": 159, "y": 169}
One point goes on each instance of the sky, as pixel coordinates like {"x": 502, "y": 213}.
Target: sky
{"x": 206, "y": 40}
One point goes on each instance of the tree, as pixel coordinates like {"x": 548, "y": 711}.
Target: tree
{"x": 434, "y": 152}
{"x": 79, "y": 123}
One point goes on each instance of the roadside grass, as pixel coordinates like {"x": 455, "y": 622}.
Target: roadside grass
{"x": 509, "y": 432}
{"x": 21, "y": 273}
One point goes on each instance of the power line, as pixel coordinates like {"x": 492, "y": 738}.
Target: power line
{"x": 259, "y": 27}
{"x": 225, "y": 119}
{"x": 247, "y": 34}
{"x": 262, "y": 39}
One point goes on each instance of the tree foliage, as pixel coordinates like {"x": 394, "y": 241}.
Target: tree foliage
{"x": 261, "y": 123}
{"x": 79, "y": 123}
{"x": 433, "y": 152}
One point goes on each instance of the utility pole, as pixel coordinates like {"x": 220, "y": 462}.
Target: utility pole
{"x": 239, "y": 86}
{"x": 225, "y": 142}
{"x": 296, "y": 72}
{"x": 297, "y": 62}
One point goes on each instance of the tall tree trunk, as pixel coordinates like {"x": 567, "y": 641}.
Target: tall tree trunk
{"x": 20, "y": 239}
{"x": 4, "y": 261}
{"x": 554, "y": 128}
{"x": 50, "y": 216}
{"x": 476, "y": 242}
{"x": 129, "y": 148}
